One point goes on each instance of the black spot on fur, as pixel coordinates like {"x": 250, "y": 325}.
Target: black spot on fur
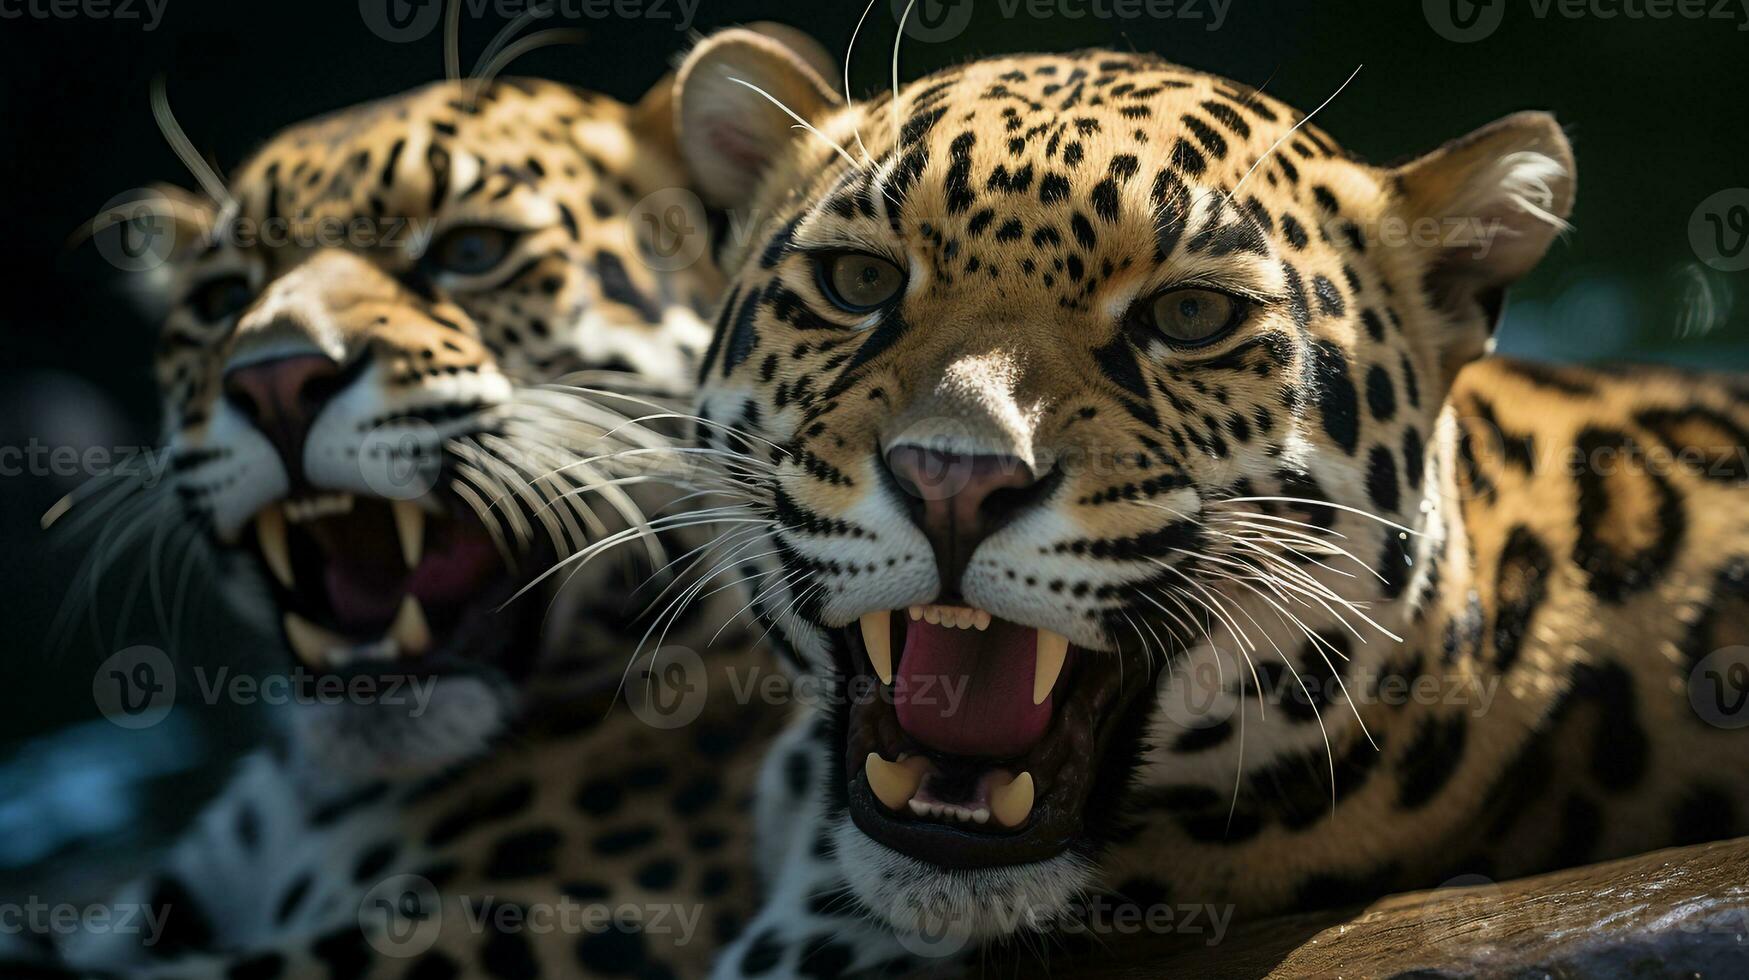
{"x": 1338, "y": 403}
{"x": 186, "y": 927}
{"x": 1620, "y": 749}
{"x": 372, "y": 862}
{"x": 345, "y": 951}
{"x": 1519, "y": 586}
{"x": 1381, "y": 395}
{"x": 762, "y": 954}
{"x": 1381, "y": 479}
{"x": 618, "y": 951}
{"x": 1204, "y": 737}
{"x": 507, "y": 955}
{"x": 1607, "y": 461}
{"x": 1703, "y": 814}
{"x": 1432, "y": 758}
{"x": 524, "y": 854}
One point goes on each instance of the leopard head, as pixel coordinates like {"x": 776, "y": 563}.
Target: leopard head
{"x": 362, "y": 347}
{"x": 1055, "y": 372}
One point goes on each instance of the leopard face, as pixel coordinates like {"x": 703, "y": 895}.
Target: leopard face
{"x": 359, "y": 356}
{"x": 1065, "y": 379}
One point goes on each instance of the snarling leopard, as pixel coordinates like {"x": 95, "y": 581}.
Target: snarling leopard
{"x": 417, "y": 355}
{"x": 1134, "y": 474}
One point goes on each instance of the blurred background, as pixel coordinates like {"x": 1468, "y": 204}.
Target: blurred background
{"x": 1653, "y": 271}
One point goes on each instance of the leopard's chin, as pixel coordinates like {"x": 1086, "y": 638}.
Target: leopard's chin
{"x": 991, "y": 745}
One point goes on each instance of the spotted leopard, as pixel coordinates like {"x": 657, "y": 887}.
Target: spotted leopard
{"x": 1133, "y": 472}
{"x": 417, "y": 352}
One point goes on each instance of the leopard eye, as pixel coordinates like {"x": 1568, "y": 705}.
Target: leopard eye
{"x": 471, "y": 250}
{"x": 1193, "y": 317}
{"x": 857, "y": 282}
{"x": 220, "y": 298}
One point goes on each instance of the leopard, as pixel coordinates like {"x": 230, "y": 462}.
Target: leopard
{"x": 417, "y": 359}
{"x": 1140, "y": 481}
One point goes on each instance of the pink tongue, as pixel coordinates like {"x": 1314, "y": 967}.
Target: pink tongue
{"x": 969, "y": 693}
{"x": 367, "y": 595}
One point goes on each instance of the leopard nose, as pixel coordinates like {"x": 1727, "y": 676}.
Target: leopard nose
{"x": 959, "y": 500}
{"x": 281, "y": 398}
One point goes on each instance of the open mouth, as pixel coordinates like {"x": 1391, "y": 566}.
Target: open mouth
{"x": 365, "y": 582}
{"x": 990, "y": 737}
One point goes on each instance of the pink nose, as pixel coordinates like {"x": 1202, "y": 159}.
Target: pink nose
{"x": 958, "y": 500}
{"x": 281, "y": 398}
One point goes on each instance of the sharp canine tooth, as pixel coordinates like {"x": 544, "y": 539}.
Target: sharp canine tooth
{"x": 410, "y": 526}
{"x": 1052, "y": 649}
{"x": 270, "y": 532}
{"x": 310, "y": 642}
{"x": 916, "y": 613}
{"x": 409, "y": 630}
{"x": 894, "y": 783}
{"x": 877, "y": 636}
{"x": 1011, "y": 804}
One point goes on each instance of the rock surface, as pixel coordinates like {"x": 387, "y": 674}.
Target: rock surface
{"x": 1682, "y": 912}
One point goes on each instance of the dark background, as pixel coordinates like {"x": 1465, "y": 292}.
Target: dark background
{"x": 1655, "y": 109}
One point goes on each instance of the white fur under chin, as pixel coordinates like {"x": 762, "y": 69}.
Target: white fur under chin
{"x": 375, "y": 740}
{"x": 980, "y": 905}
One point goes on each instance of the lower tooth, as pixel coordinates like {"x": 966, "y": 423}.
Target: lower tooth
{"x": 894, "y": 783}
{"x": 1011, "y": 804}
{"x": 310, "y": 642}
{"x": 410, "y": 631}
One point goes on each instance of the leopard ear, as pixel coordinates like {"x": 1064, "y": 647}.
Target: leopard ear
{"x": 146, "y": 232}
{"x": 731, "y": 133}
{"x": 1484, "y": 209}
